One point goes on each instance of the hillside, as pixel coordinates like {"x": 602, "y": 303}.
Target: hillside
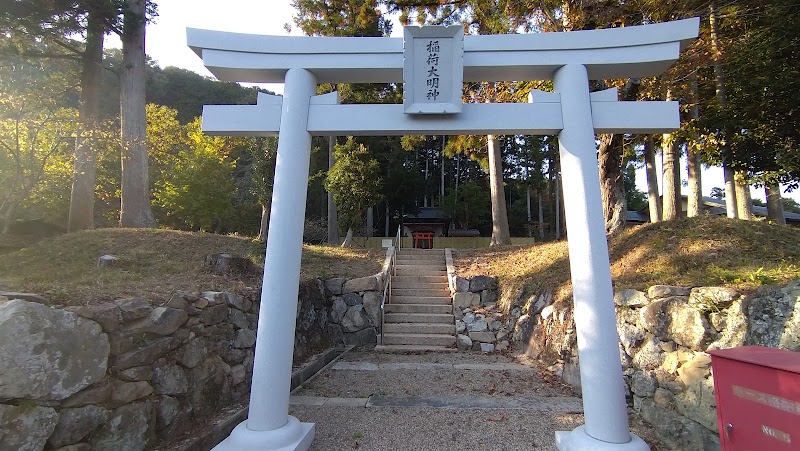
{"x": 155, "y": 263}
{"x": 698, "y": 251}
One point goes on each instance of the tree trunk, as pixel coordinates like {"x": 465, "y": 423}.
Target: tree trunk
{"x": 730, "y": 192}
{"x": 670, "y": 195}
{"x": 81, "y": 202}
{"x": 541, "y": 216}
{"x": 653, "y": 201}
{"x": 441, "y": 182}
{"x": 719, "y": 80}
{"x": 528, "y": 208}
{"x": 612, "y": 190}
{"x": 774, "y": 203}
{"x": 135, "y": 199}
{"x": 386, "y": 221}
{"x": 264, "y": 227}
{"x": 370, "y": 223}
{"x": 333, "y": 227}
{"x": 694, "y": 201}
{"x": 559, "y": 203}
{"x": 348, "y": 239}
{"x": 500, "y": 233}
{"x": 744, "y": 202}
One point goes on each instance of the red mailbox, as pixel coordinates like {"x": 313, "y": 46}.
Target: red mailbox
{"x": 758, "y": 398}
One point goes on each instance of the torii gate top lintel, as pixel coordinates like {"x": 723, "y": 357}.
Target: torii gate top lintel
{"x": 637, "y": 51}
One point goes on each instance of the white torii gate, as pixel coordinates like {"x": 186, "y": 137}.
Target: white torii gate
{"x": 570, "y": 59}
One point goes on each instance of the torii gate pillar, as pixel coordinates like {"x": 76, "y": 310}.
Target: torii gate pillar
{"x": 268, "y": 425}
{"x": 605, "y": 411}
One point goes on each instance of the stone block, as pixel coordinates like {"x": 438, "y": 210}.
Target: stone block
{"x": 371, "y": 283}
{"x": 75, "y": 424}
{"x": 372, "y": 307}
{"x": 352, "y": 299}
{"x": 99, "y": 393}
{"x": 134, "y": 308}
{"x": 665, "y": 291}
{"x": 487, "y": 347}
{"x": 461, "y": 285}
{"x": 697, "y": 402}
{"x": 478, "y": 326}
{"x": 238, "y": 374}
{"x": 338, "y": 310}
{"x": 480, "y": 283}
{"x": 127, "y": 392}
{"x": 712, "y": 299}
{"x": 630, "y": 298}
{"x": 161, "y": 321}
{"x": 167, "y": 409}
{"x": 128, "y": 428}
{"x": 209, "y": 387}
{"x": 355, "y": 319}
{"x": 26, "y": 428}
{"x": 214, "y": 314}
{"x": 488, "y": 296}
{"x": 107, "y": 261}
{"x": 138, "y": 373}
{"x": 464, "y": 300}
{"x": 334, "y": 286}
{"x": 48, "y": 353}
{"x": 170, "y": 380}
{"x": 237, "y": 301}
{"x": 144, "y": 355}
{"x": 643, "y": 383}
{"x": 464, "y": 342}
{"x": 482, "y": 337}
{"x": 107, "y": 314}
{"x": 245, "y": 338}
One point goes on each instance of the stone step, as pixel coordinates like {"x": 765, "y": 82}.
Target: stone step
{"x": 419, "y": 279}
{"x": 440, "y": 288}
{"x": 412, "y": 348}
{"x": 428, "y": 269}
{"x": 415, "y": 251}
{"x": 420, "y": 258}
{"x": 442, "y": 291}
{"x": 435, "y": 298}
{"x": 419, "y": 339}
{"x": 419, "y": 328}
{"x": 438, "y": 318}
{"x": 416, "y": 270}
{"x": 419, "y": 308}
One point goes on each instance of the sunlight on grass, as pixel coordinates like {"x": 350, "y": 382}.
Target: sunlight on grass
{"x": 155, "y": 263}
{"x": 686, "y": 252}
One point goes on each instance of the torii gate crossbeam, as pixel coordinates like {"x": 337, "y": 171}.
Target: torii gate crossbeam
{"x": 570, "y": 59}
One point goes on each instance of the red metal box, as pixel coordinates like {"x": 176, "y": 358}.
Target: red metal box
{"x": 758, "y": 398}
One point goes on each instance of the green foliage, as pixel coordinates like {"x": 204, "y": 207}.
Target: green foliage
{"x": 470, "y": 206}
{"x": 355, "y": 182}
{"x": 197, "y": 191}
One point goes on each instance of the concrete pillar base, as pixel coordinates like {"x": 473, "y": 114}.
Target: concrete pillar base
{"x": 294, "y": 436}
{"x": 578, "y": 440}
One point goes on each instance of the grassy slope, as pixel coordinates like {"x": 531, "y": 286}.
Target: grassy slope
{"x": 687, "y": 252}
{"x": 155, "y": 263}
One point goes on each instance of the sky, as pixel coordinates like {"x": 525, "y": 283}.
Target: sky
{"x": 166, "y": 44}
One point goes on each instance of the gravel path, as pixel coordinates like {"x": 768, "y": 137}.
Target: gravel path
{"x": 353, "y": 428}
{"x": 343, "y": 383}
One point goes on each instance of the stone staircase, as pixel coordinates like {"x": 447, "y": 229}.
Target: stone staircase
{"x": 420, "y": 313}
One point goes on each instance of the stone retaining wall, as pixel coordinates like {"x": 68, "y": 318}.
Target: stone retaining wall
{"x": 123, "y": 375}
{"x": 664, "y": 338}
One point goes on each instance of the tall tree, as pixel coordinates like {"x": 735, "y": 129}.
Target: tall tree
{"x": 653, "y": 200}
{"x": 355, "y": 183}
{"x": 45, "y": 29}
{"x": 135, "y": 208}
